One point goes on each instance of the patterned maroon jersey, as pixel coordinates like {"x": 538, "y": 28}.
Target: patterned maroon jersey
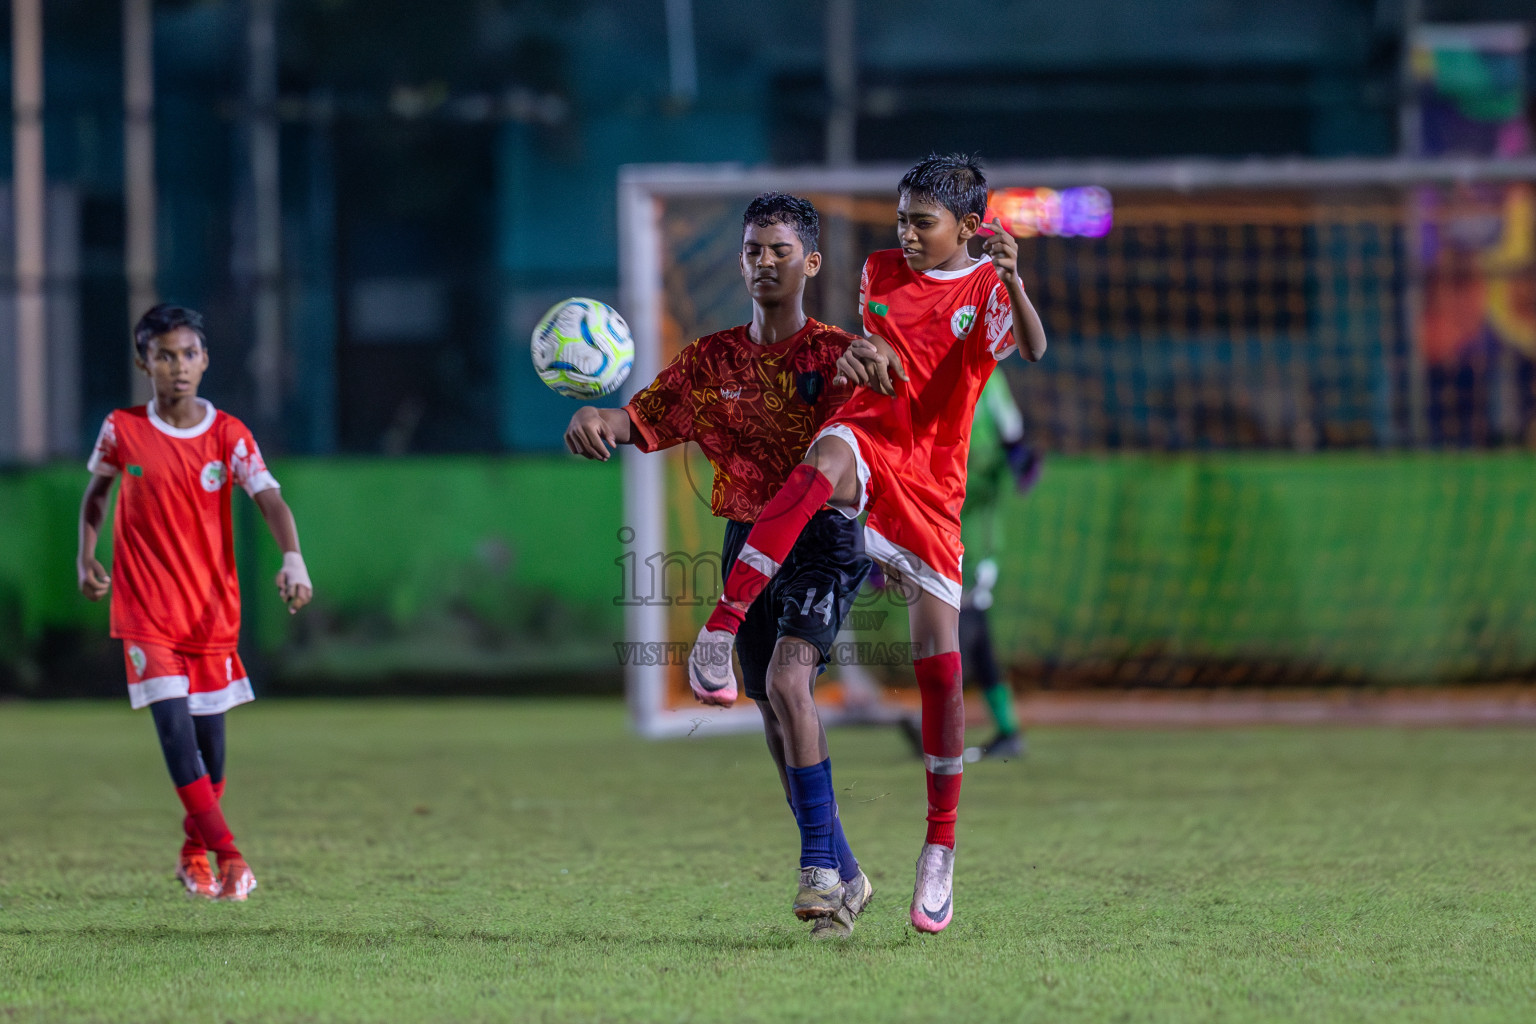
{"x": 752, "y": 409}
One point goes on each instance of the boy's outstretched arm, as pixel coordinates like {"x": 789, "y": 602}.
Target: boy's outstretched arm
{"x": 90, "y": 576}
{"x": 594, "y": 431}
{"x": 293, "y": 578}
{"x": 1028, "y": 331}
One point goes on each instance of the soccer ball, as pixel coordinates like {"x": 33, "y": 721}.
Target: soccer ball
{"x": 582, "y": 348}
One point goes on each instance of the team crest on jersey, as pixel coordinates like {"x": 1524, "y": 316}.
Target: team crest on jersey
{"x": 809, "y": 386}
{"x": 213, "y": 476}
{"x": 136, "y": 655}
{"x": 960, "y": 323}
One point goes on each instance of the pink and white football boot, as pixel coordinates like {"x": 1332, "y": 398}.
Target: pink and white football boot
{"x": 933, "y": 902}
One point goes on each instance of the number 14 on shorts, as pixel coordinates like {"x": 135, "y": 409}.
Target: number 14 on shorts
{"x": 823, "y": 607}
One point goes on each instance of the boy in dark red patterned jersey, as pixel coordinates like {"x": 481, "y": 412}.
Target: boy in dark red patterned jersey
{"x": 752, "y": 398}
{"x": 175, "y": 596}
{"x": 939, "y": 321}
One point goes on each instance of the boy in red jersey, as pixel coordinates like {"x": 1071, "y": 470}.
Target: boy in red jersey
{"x": 939, "y": 322}
{"x": 176, "y": 599}
{"x": 752, "y": 397}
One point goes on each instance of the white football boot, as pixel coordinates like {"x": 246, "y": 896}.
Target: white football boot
{"x": 820, "y": 894}
{"x": 856, "y": 896}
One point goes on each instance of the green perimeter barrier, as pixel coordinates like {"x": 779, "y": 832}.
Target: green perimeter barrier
{"x": 447, "y": 566}
{"x": 434, "y": 567}
{"x": 1189, "y": 570}
{"x": 38, "y": 512}
{"x": 1273, "y": 569}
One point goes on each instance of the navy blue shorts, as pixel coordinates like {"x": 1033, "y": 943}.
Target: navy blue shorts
{"x": 808, "y": 599}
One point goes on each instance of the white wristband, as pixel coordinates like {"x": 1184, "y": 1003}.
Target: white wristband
{"x": 293, "y": 569}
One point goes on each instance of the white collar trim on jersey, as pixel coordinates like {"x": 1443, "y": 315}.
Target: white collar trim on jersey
{"x": 209, "y": 412}
{"x": 952, "y": 275}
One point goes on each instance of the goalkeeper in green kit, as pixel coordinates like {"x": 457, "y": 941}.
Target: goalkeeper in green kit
{"x": 999, "y": 458}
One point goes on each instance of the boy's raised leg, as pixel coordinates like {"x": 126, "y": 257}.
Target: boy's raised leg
{"x": 828, "y": 474}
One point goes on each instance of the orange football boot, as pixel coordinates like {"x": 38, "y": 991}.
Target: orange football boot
{"x": 235, "y": 879}
{"x": 194, "y": 872}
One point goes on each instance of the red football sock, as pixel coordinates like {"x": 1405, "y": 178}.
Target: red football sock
{"x": 938, "y": 683}
{"x": 202, "y": 805}
{"x": 772, "y": 538}
{"x": 194, "y": 843}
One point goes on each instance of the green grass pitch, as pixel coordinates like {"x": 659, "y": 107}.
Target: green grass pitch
{"x": 533, "y": 861}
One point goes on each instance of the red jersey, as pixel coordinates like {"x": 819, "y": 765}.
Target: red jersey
{"x": 173, "y": 548}
{"x": 752, "y": 409}
{"x": 950, "y": 327}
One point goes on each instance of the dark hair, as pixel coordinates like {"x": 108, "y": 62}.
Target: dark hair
{"x": 164, "y": 319}
{"x": 953, "y": 181}
{"x": 782, "y": 208}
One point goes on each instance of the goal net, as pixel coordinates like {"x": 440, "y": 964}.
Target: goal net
{"x": 1286, "y": 410}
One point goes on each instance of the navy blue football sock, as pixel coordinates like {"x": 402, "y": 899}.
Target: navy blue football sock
{"x": 847, "y": 863}
{"x": 810, "y": 794}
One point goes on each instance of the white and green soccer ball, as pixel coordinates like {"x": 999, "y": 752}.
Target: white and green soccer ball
{"x": 582, "y": 348}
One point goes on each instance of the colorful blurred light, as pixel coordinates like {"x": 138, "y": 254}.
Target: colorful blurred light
{"x": 1086, "y": 212}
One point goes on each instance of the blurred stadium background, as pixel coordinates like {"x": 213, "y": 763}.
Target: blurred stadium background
{"x": 1289, "y": 408}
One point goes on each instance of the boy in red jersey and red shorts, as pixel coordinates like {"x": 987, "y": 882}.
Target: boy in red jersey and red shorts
{"x": 175, "y": 595}
{"x": 938, "y": 322}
